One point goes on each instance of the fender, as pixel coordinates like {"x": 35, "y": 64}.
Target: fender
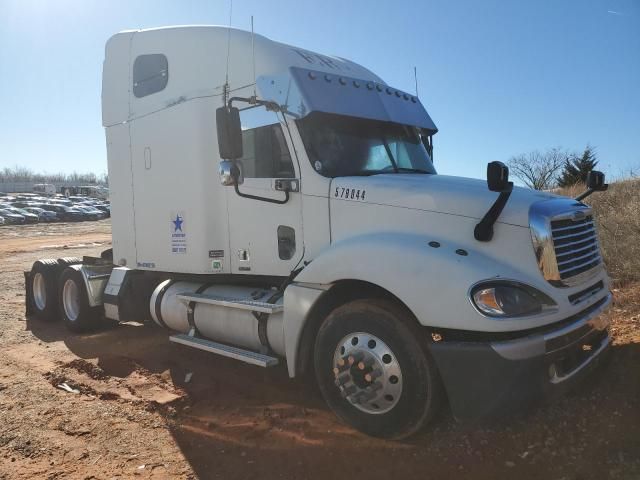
{"x": 95, "y": 279}
{"x": 409, "y": 267}
{"x": 298, "y": 302}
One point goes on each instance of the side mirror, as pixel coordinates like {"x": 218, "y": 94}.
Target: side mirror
{"x": 229, "y": 133}
{"x": 498, "y": 177}
{"x": 230, "y": 173}
{"x": 498, "y": 181}
{"x": 595, "y": 181}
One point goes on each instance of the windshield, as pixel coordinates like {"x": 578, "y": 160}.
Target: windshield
{"x": 340, "y": 146}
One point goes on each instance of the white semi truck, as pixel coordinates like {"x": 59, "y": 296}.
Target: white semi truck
{"x": 272, "y": 204}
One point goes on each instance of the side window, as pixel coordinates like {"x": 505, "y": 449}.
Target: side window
{"x": 150, "y": 74}
{"x": 266, "y": 154}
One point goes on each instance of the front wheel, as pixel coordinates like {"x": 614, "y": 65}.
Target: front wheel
{"x": 73, "y": 301}
{"x": 374, "y": 370}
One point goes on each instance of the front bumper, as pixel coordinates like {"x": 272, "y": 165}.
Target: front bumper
{"x": 484, "y": 378}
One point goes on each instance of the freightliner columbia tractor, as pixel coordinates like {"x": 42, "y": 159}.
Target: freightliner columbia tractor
{"x": 278, "y": 206}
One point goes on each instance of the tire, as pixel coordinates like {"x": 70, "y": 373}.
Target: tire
{"x": 73, "y": 301}
{"x": 66, "y": 261}
{"x": 400, "y": 406}
{"x": 43, "y": 292}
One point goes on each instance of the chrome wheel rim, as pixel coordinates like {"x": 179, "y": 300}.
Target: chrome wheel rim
{"x": 39, "y": 291}
{"x": 71, "y": 300}
{"x": 367, "y": 373}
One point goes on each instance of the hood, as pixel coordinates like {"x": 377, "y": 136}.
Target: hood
{"x": 466, "y": 197}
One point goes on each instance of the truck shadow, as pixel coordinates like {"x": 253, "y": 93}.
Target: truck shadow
{"x": 231, "y": 417}
{"x": 122, "y": 349}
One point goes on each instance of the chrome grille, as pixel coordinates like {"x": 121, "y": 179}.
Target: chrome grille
{"x": 564, "y": 241}
{"x": 576, "y": 246}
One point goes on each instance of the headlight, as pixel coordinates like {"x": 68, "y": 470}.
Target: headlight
{"x": 509, "y": 299}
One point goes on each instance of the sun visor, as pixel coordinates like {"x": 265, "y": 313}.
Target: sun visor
{"x": 302, "y": 91}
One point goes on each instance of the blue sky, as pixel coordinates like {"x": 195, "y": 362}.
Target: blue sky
{"x": 499, "y": 78}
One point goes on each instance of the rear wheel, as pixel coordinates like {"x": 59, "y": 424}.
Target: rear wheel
{"x": 43, "y": 293}
{"x": 73, "y": 300}
{"x": 374, "y": 371}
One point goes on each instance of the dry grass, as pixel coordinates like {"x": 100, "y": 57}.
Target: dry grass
{"x": 617, "y": 214}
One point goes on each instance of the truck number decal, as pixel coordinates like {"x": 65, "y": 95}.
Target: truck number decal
{"x": 349, "y": 193}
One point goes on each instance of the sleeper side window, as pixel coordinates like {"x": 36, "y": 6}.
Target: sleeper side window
{"x": 150, "y": 74}
{"x": 265, "y": 151}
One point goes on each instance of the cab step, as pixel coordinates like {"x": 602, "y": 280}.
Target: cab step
{"x": 240, "y": 303}
{"x": 247, "y": 356}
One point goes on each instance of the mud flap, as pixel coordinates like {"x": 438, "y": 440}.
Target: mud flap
{"x": 28, "y": 289}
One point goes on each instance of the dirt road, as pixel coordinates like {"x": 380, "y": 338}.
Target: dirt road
{"x": 136, "y": 415}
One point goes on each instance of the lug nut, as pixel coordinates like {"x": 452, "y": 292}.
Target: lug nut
{"x": 341, "y": 365}
{"x": 363, "y": 364}
{"x": 371, "y": 376}
{"x": 356, "y": 357}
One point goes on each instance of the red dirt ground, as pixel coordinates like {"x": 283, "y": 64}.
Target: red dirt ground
{"x": 135, "y": 415}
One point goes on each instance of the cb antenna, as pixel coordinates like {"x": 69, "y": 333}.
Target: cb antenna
{"x": 253, "y": 54}
{"x": 415, "y": 77}
{"x": 225, "y": 90}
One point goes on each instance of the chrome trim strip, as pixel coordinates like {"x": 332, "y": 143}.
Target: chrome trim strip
{"x": 570, "y": 244}
{"x": 565, "y": 270}
{"x": 572, "y": 227}
{"x": 576, "y": 250}
{"x": 575, "y": 259}
{"x": 571, "y": 235}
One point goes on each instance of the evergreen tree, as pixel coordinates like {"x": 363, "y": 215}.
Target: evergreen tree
{"x": 576, "y": 168}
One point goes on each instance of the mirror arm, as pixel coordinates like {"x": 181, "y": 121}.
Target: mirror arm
{"x": 235, "y": 173}
{"x": 262, "y": 199}
{"x": 254, "y": 101}
{"x": 484, "y": 229}
{"x": 589, "y": 191}
{"x": 585, "y": 194}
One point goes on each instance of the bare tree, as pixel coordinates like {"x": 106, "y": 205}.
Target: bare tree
{"x": 538, "y": 170}
{"x": 23, "y": 174}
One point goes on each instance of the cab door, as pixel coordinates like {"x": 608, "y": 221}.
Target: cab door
{"x": 265, "y": 238}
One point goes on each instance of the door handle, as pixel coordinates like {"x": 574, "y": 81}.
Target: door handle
{"x": 286, "y": 185}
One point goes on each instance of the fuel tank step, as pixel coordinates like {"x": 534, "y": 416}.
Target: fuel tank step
{"x": 240, "y": 303}
{"x": 247, "y": 356}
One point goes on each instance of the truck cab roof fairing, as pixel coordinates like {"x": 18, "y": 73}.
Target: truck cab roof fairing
{"x": 302, "y": 91}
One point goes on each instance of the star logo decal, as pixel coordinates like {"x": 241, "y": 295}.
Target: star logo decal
{"x": 177, "y": 223}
